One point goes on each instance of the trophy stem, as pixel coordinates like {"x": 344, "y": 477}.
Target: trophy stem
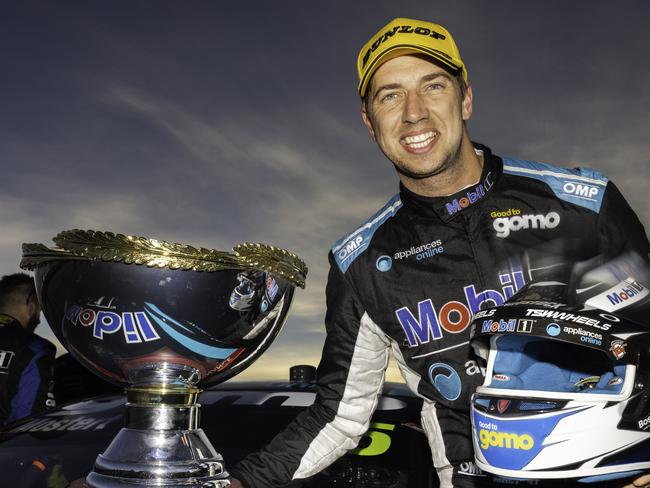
{"x": 161, "y": 445}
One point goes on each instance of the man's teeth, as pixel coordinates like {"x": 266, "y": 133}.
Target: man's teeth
{"x": 421, "y": 140}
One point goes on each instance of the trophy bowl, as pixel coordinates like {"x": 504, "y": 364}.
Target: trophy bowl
{"x": 162, "y": 320}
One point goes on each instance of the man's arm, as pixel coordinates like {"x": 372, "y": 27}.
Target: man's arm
{"x": 619, "y": 227}
{"x": 621, "y": 231}
{"x": 350, "y": 377}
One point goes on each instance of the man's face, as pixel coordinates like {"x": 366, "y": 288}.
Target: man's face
{"x": 416, "y": 115}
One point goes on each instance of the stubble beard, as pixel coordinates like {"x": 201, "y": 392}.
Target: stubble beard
{"x": 449, "y": 161}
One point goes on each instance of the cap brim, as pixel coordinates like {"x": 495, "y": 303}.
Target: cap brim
{"x": 402, "y": 50}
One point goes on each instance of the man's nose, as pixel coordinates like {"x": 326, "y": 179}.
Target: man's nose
{"x": 415, "y": 109}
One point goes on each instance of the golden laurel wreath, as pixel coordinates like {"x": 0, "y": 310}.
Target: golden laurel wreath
{"x": 89, "y": 245}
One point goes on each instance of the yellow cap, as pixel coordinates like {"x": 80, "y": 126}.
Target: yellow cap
{"x": 407, "y": 36}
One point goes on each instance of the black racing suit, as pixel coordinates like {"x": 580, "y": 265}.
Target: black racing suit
{"x": 409, "y": 280}
{"x": 26, "y": 372}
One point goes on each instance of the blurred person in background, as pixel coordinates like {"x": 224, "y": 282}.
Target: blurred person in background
{"x": 26, "y": 359}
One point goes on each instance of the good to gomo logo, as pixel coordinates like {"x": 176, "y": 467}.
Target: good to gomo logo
{"x": 135, "y": 325}
{"x": 505, "y": 225}
{"x": 505, "y": 440}
{"x": 505, "y": 213}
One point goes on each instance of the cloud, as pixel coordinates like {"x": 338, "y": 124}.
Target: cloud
{"x": 297, "y": 196}
{"x": 285, "y": 190}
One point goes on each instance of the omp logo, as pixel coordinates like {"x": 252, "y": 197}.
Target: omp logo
{"x": 400, "y": 29}
{"x": 472, "y": 196}
{"x": 135, "y": 325}
{"x": 587, "y": 192}
{"x": 469, "y": 468}
{"x": 351, "y": 246}
{"x": 454, "y": 316}
{"x": 505, "y": 225}
{"x": 490, "y": 437}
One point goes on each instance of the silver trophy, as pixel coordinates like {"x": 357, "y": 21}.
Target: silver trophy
{"x": 162, "y": 319}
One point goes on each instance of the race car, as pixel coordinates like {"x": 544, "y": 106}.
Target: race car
{"x": 58, "y": 448}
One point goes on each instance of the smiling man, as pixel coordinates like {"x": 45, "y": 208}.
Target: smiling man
{"x": 416, "y": 112}
{"x": 466, "y": 231}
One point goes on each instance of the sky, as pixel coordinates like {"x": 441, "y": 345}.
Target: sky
{"x": 213, "y": 123}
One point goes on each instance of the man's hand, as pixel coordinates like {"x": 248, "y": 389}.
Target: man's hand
{"x": 642, "y": 481}
{"x": 235, "y": 483}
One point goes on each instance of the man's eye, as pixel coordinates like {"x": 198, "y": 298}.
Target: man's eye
{"x": 387, "y": 98}
{"x": 435, "y": 86}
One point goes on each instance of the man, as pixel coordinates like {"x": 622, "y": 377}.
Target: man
{"x": 26, "y": 360}
{"x": 466, "y": 231}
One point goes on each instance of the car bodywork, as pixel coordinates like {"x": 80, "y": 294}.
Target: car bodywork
{"x": 60, "y": 446}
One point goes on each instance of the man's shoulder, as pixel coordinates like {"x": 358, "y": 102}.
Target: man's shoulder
{"x": 580, "y": 186}
{"x": 41, "y": 345}
{"x": 352, "y": 245}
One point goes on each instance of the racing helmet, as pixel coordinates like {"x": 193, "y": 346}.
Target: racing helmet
{"x": 566, "y": 385}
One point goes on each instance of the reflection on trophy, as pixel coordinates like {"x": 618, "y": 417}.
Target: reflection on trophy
{"x": 159, "y": 319}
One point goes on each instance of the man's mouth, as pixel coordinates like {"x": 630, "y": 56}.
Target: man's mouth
{"x": 420, "y": 141}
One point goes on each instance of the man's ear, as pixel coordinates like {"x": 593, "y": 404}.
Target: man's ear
{"x": 467, "y": 103}
{"x": 33, "y": 307}
{"x": 367, "y": 122}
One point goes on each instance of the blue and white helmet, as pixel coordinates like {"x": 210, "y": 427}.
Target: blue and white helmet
{"x": 566, "y": 386}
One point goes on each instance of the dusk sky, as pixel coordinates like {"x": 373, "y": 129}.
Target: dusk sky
{"x": 213, "y": 123}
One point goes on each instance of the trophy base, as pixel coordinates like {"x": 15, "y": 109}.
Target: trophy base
{"x": 161, "y": 445}
{"x": 159, "y": 458}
